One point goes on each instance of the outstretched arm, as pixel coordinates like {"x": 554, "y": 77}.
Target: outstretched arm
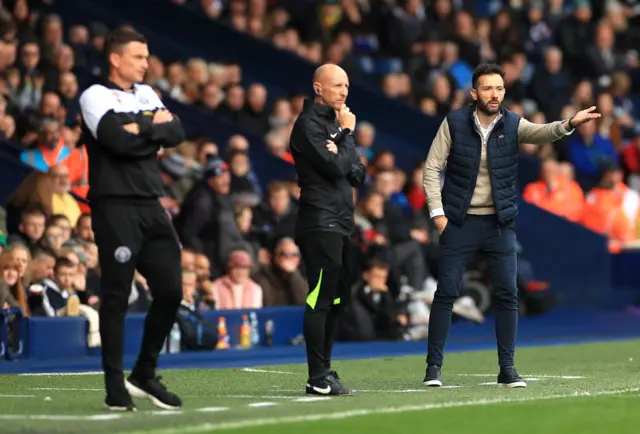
{"x": 538, "y": 134}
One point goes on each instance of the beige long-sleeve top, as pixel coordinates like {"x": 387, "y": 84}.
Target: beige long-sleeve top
{"x": 482, "y": 199}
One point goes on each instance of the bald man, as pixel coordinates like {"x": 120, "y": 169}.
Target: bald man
{"x": 328, "y": 169}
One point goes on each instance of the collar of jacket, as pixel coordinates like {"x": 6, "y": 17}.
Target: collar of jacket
{"x": 111, "y": 85}
{"x": 320, "y": 109}
{"x": 474, "y": 107}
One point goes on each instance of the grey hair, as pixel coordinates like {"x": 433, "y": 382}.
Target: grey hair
{"x": 286, "y": 240}
{"x": 46, "y": 121}
{"x": 364, "y": 125}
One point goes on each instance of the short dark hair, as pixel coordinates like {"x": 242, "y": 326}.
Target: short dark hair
{"x": 486, "y": 69}
{"x": 118, "y": 38}
{"x": 42, "y": 252}
{"x": 83, "y": 216}
{"x": 33, "y": 210}
{"x": 54, "y": 219}
{"x": 63, "y": 262}
{"x": 375, "y": 263}
{"x": 276, "y": 187}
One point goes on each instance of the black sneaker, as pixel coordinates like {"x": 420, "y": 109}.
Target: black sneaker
{"x": 327, "y": 385}
{"x": 337, "y": 379}
{"x": 154, "y": 390}
{"x": 433, "y": 377}
{"x": 509, "y": 377}
{"x": 120, "y": 401}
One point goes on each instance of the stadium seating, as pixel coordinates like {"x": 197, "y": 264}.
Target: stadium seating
{"x": 400, "y": 126}
{"x": 176, "y": 33}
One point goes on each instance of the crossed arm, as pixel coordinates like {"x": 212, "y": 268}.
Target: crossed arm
{"x": 122, "y": 134}
{"x": 337, "y": 163}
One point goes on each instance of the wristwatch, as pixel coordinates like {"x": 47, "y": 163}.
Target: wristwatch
{"x": 347, "y": 131}
{"x": 571, "y": 127}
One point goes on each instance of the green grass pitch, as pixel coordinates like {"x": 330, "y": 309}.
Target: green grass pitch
{"x": 589, "y": 388}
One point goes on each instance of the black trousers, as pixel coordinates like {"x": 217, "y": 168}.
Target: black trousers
{"x": 135, "y": 237}
{"x": 328, "y": 259}
{"x": 457, "y": 245}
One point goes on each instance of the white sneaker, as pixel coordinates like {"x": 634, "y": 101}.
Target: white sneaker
{"x": 466, "y": 308}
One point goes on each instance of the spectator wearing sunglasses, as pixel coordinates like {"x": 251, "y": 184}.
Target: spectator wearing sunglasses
{"x": 281, "y": 281}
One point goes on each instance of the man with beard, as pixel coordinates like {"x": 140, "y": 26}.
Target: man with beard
{"x": 477, "y": 207}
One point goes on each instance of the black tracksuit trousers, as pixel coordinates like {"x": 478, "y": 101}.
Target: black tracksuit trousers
{"x": 328, "y": 260}
{"x": 135, "y": 236}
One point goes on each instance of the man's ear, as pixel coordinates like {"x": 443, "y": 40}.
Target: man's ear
{"x": 114, "y": 59}
{"x": 317, "y": 88}
{"x": 474, "y": 94}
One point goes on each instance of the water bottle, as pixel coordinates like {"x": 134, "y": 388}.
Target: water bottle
{"x": 245, "y": 333}
{"x": 269, "y": 329}
{"x": 223, "y": 336}
{"x": 255, "y": 333}
{"x": 174, "y": 339}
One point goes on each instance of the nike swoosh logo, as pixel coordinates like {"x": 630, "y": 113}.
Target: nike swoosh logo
{"x": 333, "y": 135}
{"x": 321, "y": 391}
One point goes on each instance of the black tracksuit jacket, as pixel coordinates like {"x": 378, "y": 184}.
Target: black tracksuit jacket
{"x": 124, "y": 165}
{"x": 325, "y": 179}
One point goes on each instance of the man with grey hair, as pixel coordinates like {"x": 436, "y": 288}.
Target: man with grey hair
{"x": 365, "y": 136}
{"x": 551, "y": 84}
{"x": 237, "y": 142}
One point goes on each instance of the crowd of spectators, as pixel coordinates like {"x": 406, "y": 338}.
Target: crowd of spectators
{"x": 558, "y": 56}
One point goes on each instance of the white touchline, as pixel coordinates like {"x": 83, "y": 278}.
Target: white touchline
{"x": 446, "y": 386}
{"x": 262, "y": 404}
{"x": 212, "y": 409}
{"x": 564, "y": 377}
{"x": 47, "y": 374}
{"x": 312, "y": 399}
{"x": 365, "y": 412}
{"x": 17, "y": 396}
{"x": 397, "y": 391}
{"x": 256, "y": 396}
{"x": 425, "y": 390}
{"x": 267, "y": 371}
{"x": 59, "y": 417}
{"x": 66, "y": 389}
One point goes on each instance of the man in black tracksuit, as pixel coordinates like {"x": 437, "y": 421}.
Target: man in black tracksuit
{"x": 125, "y": 124}
{"x": 328, "y": 168}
